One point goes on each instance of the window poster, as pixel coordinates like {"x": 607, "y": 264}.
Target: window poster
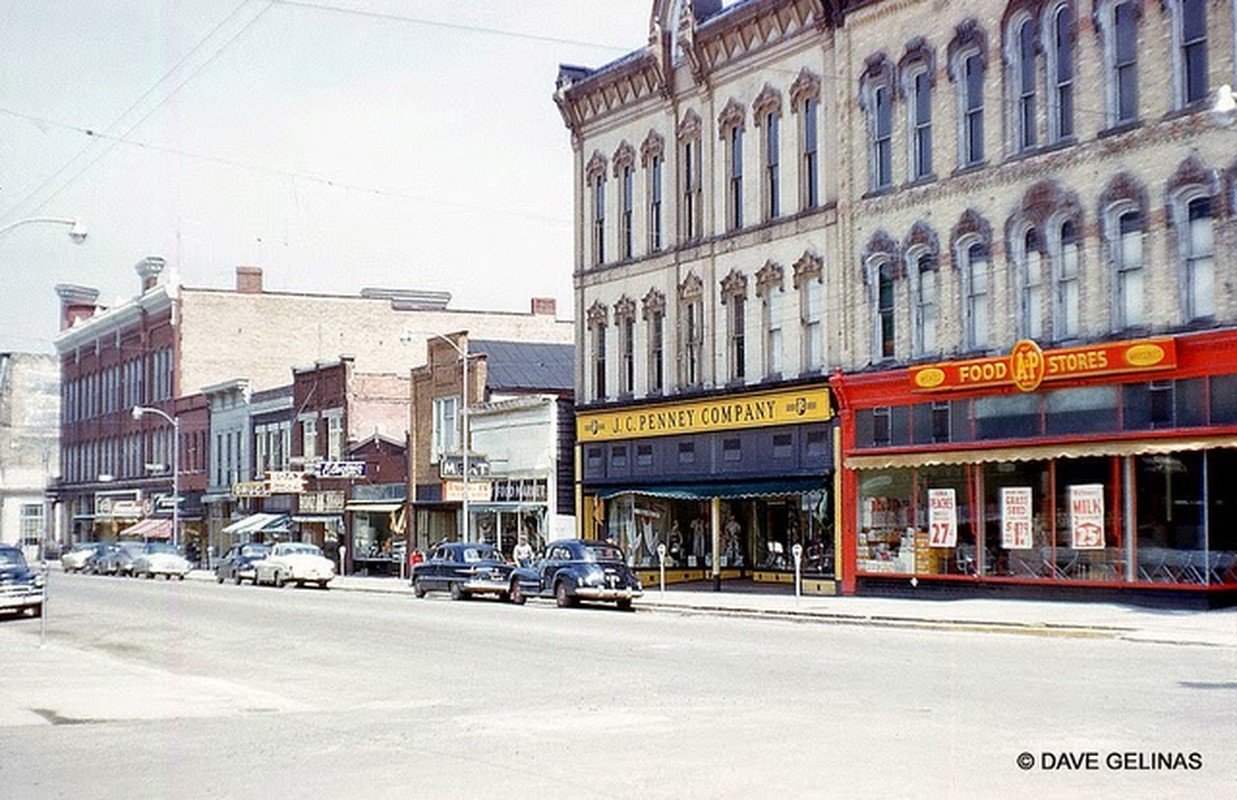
{"x": 1016, "y": 517}
{"x": 942, "y": 518}
{"x": 1086, "y": 516}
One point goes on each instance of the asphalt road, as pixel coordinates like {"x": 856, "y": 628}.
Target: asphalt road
{"x": 170, "y": 690}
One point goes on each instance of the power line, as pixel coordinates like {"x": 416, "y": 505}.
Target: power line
{"x": 65, "y": 184}
{"x": 292, "y": 175}
{"x": 449, "y": 25}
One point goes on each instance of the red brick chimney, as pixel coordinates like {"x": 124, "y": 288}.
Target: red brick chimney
{"x": 149, "y": 269}
{"x": 76, "y": 302}
{"x": 249, "y": 280}
{"x": 545, "y": 307}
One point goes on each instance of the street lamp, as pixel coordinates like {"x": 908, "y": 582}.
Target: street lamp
{"x": 77, "y": 231}
{"x": 464, "y": 356}
{"x": 138, "y": 413}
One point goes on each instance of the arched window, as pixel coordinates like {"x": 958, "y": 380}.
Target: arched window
{"x": 1022, "y": 81}
{"x": 876, "y": 98}
{"x": 1031, "y": 283}
{"x": 1065, "y": 322}
{"x": 975, "y": 267}
{"x": 1059, "y": 45}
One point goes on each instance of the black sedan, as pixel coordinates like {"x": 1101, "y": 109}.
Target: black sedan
{"x": 237, "y": 564}
{"x": 463, "y": 569}
{"x": 574, "y": 570}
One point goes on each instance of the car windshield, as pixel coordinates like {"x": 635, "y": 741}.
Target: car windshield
{"x": 160, "y": 547}
{"x": 602, "y": 552}
{"x": 132, "y": 548}
{"x": 472, "y": 554}
{"x": 12, "y": 558}
{"x": 297, "y": 549}
{"x": 255, "y": 550}
{"x": 81, "y": 546}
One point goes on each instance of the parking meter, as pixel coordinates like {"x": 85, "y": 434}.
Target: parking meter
{"x": 661, "y": 560}
{"x": 797, "y": 552}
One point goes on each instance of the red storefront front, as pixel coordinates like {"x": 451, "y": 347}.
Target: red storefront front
{"x": 1102, "y": 471}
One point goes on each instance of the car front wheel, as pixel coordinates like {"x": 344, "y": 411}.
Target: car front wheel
{"x": 517, "y": 594}
{"x": 279, "y": 580}
{"x": 417, "y": 589}
{"x": 236, "y": 578}
{"x": 623, "y": 605}
{"x": 457, "y": 591}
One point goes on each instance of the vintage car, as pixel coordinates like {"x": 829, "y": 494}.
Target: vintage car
{"x": 237, "y": 564}
{"x": 294, "y": 562}
{"x": 118, "y": 560}
{"x": 160, "y": 558}
{"x": 463, "y": 569}
{"x": 80, "y": 556}
{"x": 574, "y": 570}
{"x": 21, "y": 587}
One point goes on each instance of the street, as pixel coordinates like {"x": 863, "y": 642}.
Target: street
{"x": 171, "y": 689}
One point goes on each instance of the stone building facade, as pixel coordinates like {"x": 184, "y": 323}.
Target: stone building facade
{"x": 881, "y": 201}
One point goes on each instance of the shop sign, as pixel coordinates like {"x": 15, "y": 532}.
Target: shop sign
{"x": 531, "y": 490}
{"x": 942, "y": 518}
{"x": 340, "y": 469}
{"x": 250, "y": 489}
{"x": 331, "y": 502}
{"x": 1027, "y": 366}
{"x": 123, "y": 503}
{"x": 285, "y": 482}
{"x": 1016, "y": 517}
{"x": 785, "y": 407}
{"x": 478, "y": 491}
{"x": 452, "y": 466}
{"x": 1086, "y": 516}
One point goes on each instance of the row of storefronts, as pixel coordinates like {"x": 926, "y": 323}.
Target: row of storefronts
{"x": 1103, "y": 470}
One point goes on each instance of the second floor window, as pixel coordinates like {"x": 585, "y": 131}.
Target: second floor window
{"x": 811, "y": 315}
{"x": 1032, "y": 305}
{"x": 1066, "y": 304}
{"x": 445, "y": 436}
{"x": 737, "y": 334}
{"x": 599, "y": 361}
{"x": 691, "y": 211}
{"x": 656, "y": 331}
{"x": 599, "y": 221}
{"x": 335, "y": 437}
{"x": 886, "y": 332}
{"x": 1198, "y": 250}
{"x": 309, "y": 439}
{"x": 975, "y": 268}
{"x": 627, "y": 355}
{"x": 1128, "y": 270}
{"x": 693, "y": 341}
{"x": 926, "y": 302}
{"x": 773, "y": 330}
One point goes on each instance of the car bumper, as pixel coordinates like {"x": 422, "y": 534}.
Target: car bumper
{"x": 602, "y": 593}
{"x": 485, "y": 586}
{"x": 312, "y": 576}
{"x": 20, "y": 597}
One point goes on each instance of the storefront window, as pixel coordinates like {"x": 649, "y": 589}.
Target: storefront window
{"x": 1088, "y": 542}
{"x": 1017, "y": 514}
{"x": 1221, "y": 517}
{"x": 1171, "y": 542}
{"x": 944, "y": 484}
{"x": 886, "y": 543}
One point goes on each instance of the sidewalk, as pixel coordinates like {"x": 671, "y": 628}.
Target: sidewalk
{"x": 1024, "y": 617}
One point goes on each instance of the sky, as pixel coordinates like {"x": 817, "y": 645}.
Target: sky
{"x": 337, "y": 144}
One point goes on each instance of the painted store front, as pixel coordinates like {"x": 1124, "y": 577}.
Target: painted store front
{"x": 1105, "y": 469}
{"x": 745, "y": 476}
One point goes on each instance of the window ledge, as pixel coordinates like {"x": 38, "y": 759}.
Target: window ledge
{"x": 1120, "y": 128}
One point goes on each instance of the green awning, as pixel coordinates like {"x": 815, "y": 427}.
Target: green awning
{"x": 728, "y": 489}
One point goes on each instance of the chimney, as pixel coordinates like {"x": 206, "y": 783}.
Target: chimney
{"x": 249, "y": 280}
{"x": 148, "y": 270}
{"x": 76, "y": 302}
{"x": 545, "y": 307}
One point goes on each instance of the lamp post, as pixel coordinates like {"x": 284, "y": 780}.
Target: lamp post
{"x": 77, "y": 231}
{"x": 138, "y": 413}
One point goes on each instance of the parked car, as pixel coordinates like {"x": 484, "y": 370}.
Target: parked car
{"x": 463, "y": 569}
{"x": 294, "y": 562}
{"x": 160, "y": 558}
{"x": 21, "y": 588}
{"x": 78, "y": 557}
{"x": 237, "y": 564}
{"x": 574, "y": 570}
{"x": 118, "y": 559}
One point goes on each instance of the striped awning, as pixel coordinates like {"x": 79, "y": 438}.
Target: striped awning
{"x": 267, "y": 523}
{"x": 149, "y": 528}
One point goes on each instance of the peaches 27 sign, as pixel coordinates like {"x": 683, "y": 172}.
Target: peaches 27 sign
{"x": 1027, "y": 366}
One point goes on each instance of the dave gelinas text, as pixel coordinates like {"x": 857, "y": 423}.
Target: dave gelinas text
{"x": 1131, "y": 761}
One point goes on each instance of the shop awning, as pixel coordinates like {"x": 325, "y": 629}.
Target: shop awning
{"x": 319, "y": 519}
{"x": 703, "y": 491}
{"x": 267, "y": 523}
{"x": 1043, "y": 452}
{"x": 377, "y": 508}
{"x": 149, "y": 528}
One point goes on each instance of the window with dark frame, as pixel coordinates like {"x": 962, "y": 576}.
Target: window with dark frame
{"x": 735, "y": 178}
{"x": 1125, "y": 61}
{"x": 625, "y": 235}
{"x": 881, "y": 429}
{"x": 1194, "y": 51}
{"x": 655, "y": 203}
{"x": 1061, "y": 123}
{"x": 773, "y": 185}
{"x": 973, "y": 109}
{"x": 882, "y": 137}
{"x": 811, "y": 157}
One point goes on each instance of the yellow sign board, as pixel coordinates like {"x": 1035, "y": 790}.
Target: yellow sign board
{"x": 758, "y": 410}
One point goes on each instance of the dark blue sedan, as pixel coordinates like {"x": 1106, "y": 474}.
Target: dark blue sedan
{"x": 574, "y": 570}
{"x": 463, "y": 569}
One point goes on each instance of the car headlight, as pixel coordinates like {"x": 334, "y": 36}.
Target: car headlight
{"x": 38, "y": 580}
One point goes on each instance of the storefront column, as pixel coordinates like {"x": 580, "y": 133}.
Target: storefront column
{"x": 838, "y": 505}
{"x": 715, "y": 525}
{"x": 1129, "y": 552}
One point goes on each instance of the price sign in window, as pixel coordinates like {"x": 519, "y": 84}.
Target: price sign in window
{"x": 942, "y": 518}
